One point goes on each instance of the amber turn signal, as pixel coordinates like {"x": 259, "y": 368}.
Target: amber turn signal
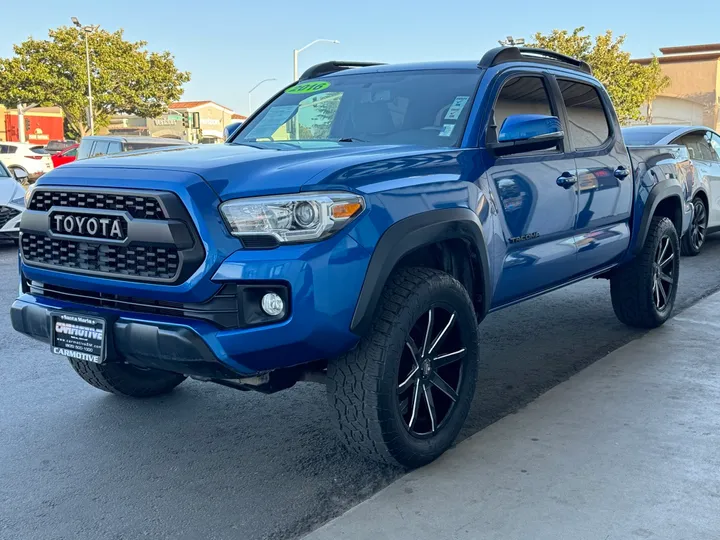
{"x": 346, "y": 210}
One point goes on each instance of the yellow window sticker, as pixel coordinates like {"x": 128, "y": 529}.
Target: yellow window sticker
{"x": 308, "y": 88}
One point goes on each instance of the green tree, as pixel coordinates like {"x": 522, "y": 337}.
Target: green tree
{"x": 125, "y": 77}
{"x": 630, "y": 85}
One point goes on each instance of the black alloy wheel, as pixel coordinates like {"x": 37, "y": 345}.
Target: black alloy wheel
{"x": 663, "y": 274}
{"x": 696, "y": 234}
{"x": 430, "y": 371}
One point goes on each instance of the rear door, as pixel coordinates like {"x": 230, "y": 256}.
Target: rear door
{"x": 538, "y": 214}
{"x": 605, "y": 183}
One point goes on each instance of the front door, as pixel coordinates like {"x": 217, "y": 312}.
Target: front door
{"x": 605, "y": 180}
{"x": 538, "y": 214}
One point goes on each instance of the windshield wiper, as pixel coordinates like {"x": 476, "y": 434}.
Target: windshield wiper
{"x": 351, "y": 139}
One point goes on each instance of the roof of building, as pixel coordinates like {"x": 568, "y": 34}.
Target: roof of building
{"x": 685, "y": 53}
{"x": 236, "y": 116}
{"x": 193, "y": 104}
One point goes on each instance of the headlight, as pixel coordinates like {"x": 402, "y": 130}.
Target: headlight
{"x": 292, "y": 218}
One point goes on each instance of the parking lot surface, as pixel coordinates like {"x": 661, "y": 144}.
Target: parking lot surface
{"x": 211, "y": 462}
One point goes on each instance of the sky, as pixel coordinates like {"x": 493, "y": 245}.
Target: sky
{"x": 230, "y": 46}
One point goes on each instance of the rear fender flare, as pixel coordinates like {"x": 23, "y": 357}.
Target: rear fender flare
{"x": 658, "y": 194}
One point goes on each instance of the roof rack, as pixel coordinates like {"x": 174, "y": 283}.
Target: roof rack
{"x": 326, "y": 68}
{"x": 501, "y": 55}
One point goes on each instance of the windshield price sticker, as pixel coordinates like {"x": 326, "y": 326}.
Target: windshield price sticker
{"x": 271, "y": 122}
{"x": 308, "y": 88}
{"x": 456, "y": 108}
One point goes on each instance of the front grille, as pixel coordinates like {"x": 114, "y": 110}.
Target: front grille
{"x": 221, "y": 309}
{"x": 138, "y": 206}
{"x": 6, "y": 214}
{"x": 135, "y": 261}
{"x": 157, "y": 241}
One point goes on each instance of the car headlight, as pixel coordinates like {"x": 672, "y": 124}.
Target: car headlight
{"x": 292, "y": 218}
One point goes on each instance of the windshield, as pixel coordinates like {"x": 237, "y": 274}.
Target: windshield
{"x": 426, "y": 108}
{"x": 645, "y": 136}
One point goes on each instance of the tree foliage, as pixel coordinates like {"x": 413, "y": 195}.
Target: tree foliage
{"x": 125, "y": 77}
{"x": 630, "y": 85}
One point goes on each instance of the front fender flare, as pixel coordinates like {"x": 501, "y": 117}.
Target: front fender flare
{"x": 410, "y": 234}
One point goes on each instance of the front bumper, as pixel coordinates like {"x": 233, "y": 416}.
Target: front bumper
{"x": 324, "y": 282}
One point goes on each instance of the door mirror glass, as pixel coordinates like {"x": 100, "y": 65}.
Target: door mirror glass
{"x": 528, "y": 132}
{"x": 20, "y": 175}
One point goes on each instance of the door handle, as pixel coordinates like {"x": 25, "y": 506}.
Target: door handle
{"x": 621, "y": 173}
{"x": 566, "y": 180}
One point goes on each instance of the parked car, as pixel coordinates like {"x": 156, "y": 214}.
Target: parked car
{"x": 25, "y": 157}
{"x": 12, "y": 203}
{"x": 101, "y": 145}
{"x": 65, "y": 156}
{"x": 354, "y": 232}
{"x": 703, "y": 146}
{"x": 56, "y": 146}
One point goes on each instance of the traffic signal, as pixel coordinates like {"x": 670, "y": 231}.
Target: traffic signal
{"x": 196, "y": 120}
{"x": 185, "y": 119}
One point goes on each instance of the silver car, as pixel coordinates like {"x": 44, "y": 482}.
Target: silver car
{"x": 703, "y": 145}
{"x": 12, "y": 204}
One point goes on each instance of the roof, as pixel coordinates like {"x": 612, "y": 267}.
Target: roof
{"x": 685, "y": 49}
{"x": 236, "y": 116}
{"x": 685, "y": 53}
{"x": 194, "y": 104}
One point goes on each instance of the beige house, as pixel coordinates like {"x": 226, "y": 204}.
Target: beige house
{"x": 212, "y": 121}
{"x": 693, "y": 96}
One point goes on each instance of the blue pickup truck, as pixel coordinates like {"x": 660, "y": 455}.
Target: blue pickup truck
{"x": 354, "y": 231}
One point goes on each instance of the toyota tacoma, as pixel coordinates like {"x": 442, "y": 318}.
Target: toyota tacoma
{"x": 354, "y": 231}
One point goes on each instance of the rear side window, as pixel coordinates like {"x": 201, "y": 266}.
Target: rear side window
{"x": 7, "y": 149}
{"x": 715, "y": 142}
{"x": 73, "y": 152}
{"x": 587, "y": 118}
{"x": 100, "y": 148}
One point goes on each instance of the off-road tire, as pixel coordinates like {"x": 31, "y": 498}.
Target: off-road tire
{"x": 126, "y": 379}
{"x": 362, "y": 384}
{"x": 631, "y": 287}
{"x": 688, "y": 246}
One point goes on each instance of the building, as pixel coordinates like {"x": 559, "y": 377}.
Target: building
{"x": 693, "y": 96}
{"x": 212, "y": 121}
{"x": 42, "y": 124}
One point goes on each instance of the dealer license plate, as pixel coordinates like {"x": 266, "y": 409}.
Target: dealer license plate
{"x": 78, "y": 336}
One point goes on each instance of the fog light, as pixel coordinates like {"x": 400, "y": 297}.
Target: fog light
{"x": 272, "y": 304}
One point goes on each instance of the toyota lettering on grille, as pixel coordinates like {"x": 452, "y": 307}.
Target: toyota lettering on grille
{"x": 106, "y": 227}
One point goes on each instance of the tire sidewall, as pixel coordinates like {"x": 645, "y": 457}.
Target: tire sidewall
{"x": 404, "y": 447}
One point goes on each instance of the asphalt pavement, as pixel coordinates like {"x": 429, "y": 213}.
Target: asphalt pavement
{"x": 211, "y": 462}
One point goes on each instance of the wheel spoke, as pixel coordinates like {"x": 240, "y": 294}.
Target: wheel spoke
{"x": 666, "y": 278}
{"x": 415, "y": 404}
{"x": 407, "y": 383}
{"x": 663, "y": 248}
{"x": 656, "y": 294}
{"x": 441, "y": 336}
{"x": 444, "y": 387}
{"x": 427, "y": 390}
{"x": 427, "y": 333}
{"x": 410, "y": 344}
{"x": 664, "y": 263}
{"x": 662, "y": 292}
{"x": 449, "y": 358}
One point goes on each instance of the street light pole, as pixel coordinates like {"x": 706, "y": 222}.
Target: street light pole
{"x": 87, "y": 30}
{"x": 296, "y": 52}
{"x": 252, "y": 90}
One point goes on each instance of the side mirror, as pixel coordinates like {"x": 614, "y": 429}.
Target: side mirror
{"x": 527, "y": 132}
{"x": 20, "y": 175}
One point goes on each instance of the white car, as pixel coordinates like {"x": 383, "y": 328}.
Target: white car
{"x": 12, "y": 204}
{"x": 25, "y": 157}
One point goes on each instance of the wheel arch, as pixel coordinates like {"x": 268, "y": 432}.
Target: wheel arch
{"x": 451, "y": 240}
{"x": 663, "y": 201}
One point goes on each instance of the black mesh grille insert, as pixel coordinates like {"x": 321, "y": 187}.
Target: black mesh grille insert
{"x": 132, "y": 260}
{"x": 6, "y": 214}
{"x": 138, "y": 206}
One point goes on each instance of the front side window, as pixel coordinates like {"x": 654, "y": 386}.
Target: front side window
{"x": 428, "y": 108}
{"x": 715, "y": 142}
{"x": 114, "y": 147}
{"x": 73, "y": 152}
{"x": 587, "y": 119}
{"x": 698, "y": 145}
{"x": 100, "y": 148}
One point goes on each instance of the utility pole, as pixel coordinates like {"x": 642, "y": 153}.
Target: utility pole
{"x": 252, "y": 90}
{"x": 21, "y": 120}
{"x": 296, "y": 52}
{"x": 511, "y": 42}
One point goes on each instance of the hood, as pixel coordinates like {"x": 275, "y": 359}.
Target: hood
{"x": 10, "y": 189}
{"x": 242, "y": 171}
